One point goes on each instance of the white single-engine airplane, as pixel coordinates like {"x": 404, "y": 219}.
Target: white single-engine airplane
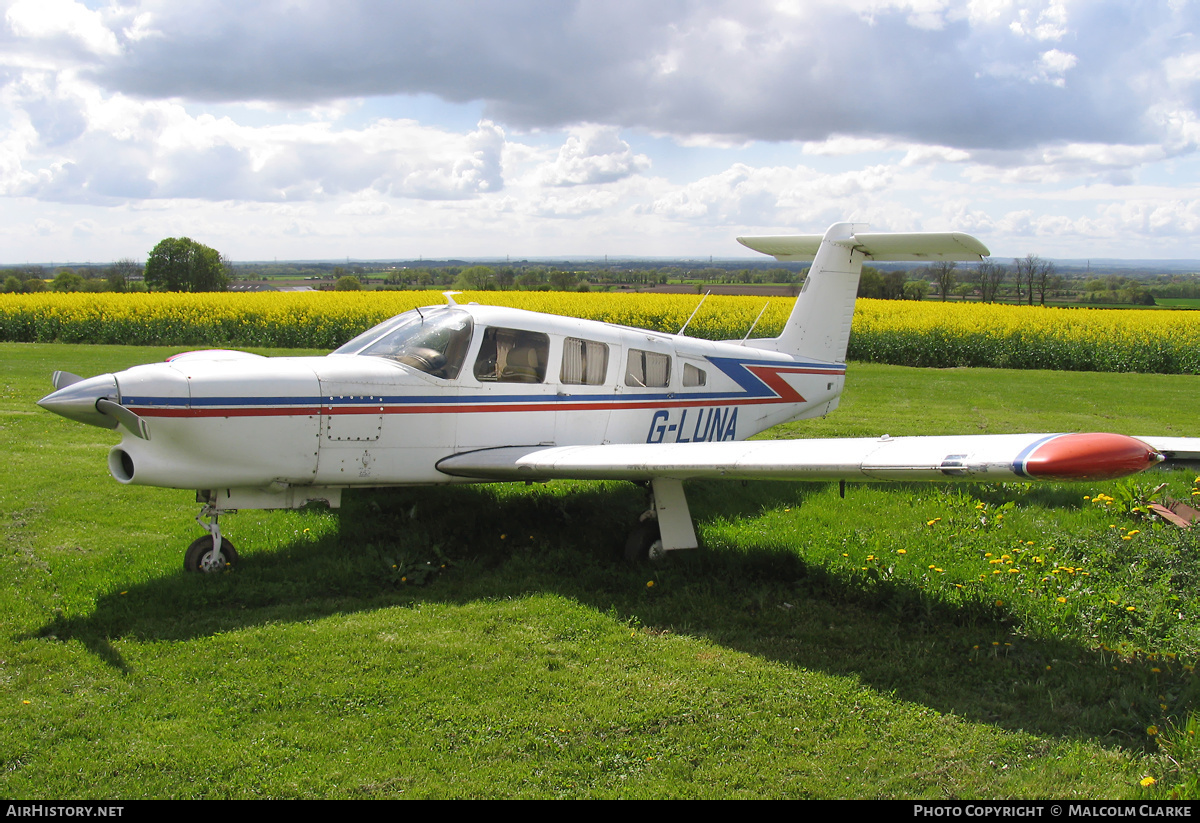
{"x": 463, "y": 394}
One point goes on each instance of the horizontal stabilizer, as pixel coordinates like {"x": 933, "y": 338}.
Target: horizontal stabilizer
{"x": 918, "y": 246}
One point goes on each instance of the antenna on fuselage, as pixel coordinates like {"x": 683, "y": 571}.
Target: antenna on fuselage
{"x": 755, "y": 323}
{"x": 693, "y": 314}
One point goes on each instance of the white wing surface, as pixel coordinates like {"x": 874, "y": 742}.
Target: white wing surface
{"x": 978, "y": 458}
{"x": 1182, "y": 451}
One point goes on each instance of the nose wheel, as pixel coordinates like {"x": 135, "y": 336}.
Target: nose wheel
{"x": 201, "y": 556}
{"x": 212, "y": 552}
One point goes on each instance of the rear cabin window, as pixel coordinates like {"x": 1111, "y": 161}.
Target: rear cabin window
{"x": 512, "y": 356}
{"x": 648, "y": 369}
{"x": 693, "y": 376}
{"x": 584, "y": 363}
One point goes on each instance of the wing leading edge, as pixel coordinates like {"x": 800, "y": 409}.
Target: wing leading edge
{"x": 979, "y": 458}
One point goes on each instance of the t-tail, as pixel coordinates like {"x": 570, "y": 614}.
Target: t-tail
{"x": 819, "y": 326}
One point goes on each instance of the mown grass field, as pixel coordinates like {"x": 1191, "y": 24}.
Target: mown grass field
{"x": 907, "y": 641}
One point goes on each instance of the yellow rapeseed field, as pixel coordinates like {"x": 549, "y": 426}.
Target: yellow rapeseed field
{"x": 903, "y": 332}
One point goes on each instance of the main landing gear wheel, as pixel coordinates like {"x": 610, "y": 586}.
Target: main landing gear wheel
{"x": 644, "y": 543}
{"x": 201, "y": 558}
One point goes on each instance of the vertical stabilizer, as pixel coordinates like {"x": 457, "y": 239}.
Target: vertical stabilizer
{"x": 819, "y": 326}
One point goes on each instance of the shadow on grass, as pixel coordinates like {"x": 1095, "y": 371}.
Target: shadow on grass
{"x": 972, "y": 659}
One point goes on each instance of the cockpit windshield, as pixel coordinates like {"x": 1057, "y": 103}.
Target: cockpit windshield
{"x": 434, "y": 342}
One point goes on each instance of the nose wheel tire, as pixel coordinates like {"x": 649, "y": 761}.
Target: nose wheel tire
{"x": 201, "y": 558}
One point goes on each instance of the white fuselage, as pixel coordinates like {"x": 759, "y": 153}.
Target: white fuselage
{"x": 232, "y": 420}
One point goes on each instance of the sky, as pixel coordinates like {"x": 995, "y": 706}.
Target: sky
{"x": 541, "y": 128}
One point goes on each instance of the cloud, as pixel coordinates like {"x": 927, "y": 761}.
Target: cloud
{"x": 62, "y": 22}
{"x": 921, "y": 70}
{"x": 328, "y": 120}
{"x": 86, "y": 147}
{"x": 591, "y": 155}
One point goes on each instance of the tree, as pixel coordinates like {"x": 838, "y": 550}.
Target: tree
{"x": 506, "y": 277}
{"x": 945, "y": 276}
{"x": 348, "y": 283}
{"x": 916, "y": 289}
{"x": 182, "y": 264}
{"x": 893, "y": 285}
{"x": 563, "y": 280}
{"x": 1044, "y": 279}
{"x": 870, "y": 282}
{"x": 476, "y": 278}
{"x": 991, "y": 275}
{"x": 67, "y": 280}
{"x": 1024, "y": 269}
{"x": 120, "y": 273}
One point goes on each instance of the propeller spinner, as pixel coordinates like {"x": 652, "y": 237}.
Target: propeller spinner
{"x": 94, "y": 401}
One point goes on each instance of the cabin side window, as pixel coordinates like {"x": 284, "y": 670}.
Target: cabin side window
{"x": 584, "y": 362}
{"x": 693, "y": 376}
{"x": 512, "y": 356}
{"x": 648, "y": 369}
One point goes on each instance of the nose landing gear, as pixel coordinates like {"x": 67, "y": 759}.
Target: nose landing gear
{"x": 211, "y": 553}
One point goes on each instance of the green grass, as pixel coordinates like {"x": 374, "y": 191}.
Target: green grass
{"x": 799, "y": 654}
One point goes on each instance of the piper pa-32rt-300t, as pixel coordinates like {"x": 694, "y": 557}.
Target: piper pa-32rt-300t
{"x": 470, "y": 393}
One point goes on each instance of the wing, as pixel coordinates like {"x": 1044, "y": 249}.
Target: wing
{"x": 1178, "y": 451}
{"x": 978, "y": 458}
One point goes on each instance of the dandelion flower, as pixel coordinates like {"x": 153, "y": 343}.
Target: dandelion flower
{"x": 1147, "y": 782}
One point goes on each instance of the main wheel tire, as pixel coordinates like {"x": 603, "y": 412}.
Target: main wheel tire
{"x": 644, "y": 543}
{"x": 199, "y": 555}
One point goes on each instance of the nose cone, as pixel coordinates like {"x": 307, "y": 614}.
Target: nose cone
{"x": 78, "y": 401}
